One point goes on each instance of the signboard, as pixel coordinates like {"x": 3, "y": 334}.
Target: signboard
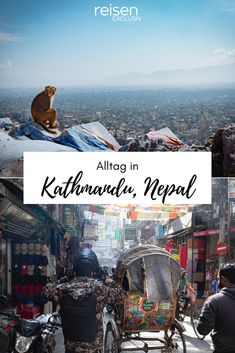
{"x": 114, "y": 244}
{"x": 132, "y": 181}
{"x": 204, "y": 233}
{"x": 130, "y": 233}
{"x": 101, "y": 231}
{"x": 70, "y": 221}
{"x": 222, "y": 248}
{"x": 90, "y": 229}
{"x": 231, "y": 189}
{"x": 117, "y": 234}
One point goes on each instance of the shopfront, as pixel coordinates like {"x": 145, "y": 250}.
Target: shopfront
{"x": 206, "y": 251}
{"x": 26, "y": 249}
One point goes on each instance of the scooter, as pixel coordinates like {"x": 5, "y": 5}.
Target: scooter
{"x": 31, "y": 336}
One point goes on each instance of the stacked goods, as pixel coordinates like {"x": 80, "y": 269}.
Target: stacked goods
{"x": 30, "y": 275}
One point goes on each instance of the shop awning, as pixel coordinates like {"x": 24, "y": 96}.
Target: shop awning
{"x": 181, "y": 233}
{"x": 20, "y": 219}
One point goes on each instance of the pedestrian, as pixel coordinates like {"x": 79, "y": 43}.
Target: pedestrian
{"x": 185, "y": 294}
{"x": 82, "y": 301}
{"x": 218, "y": 313}
{"x": 214, "y": 283}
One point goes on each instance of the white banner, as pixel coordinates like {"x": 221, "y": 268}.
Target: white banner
{"x": 117, "y": 178}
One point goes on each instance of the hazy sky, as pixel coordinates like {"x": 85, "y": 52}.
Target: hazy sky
{"x": 62, "y": 42}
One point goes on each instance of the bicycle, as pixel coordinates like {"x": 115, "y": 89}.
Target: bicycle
{"x": 186, "y": 307}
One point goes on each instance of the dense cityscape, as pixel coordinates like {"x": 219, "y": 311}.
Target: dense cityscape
{"x": 192, "y": 114}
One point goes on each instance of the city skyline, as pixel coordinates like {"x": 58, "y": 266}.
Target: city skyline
{"x": 66, "y": 44}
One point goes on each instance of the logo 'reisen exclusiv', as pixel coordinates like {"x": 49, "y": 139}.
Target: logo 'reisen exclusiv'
{"x": 119, "y": 14}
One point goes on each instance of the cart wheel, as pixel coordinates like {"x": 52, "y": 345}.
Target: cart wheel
{"x": 194, "y": 315}
{"x": 178, "y": 341}
{"x": 110, "y": 342}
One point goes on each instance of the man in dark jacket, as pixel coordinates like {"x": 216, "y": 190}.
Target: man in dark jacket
{"x": 82, "y": 301}
{"x": 218, "y": 313}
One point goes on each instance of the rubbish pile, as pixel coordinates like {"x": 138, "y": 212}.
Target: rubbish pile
{"x": 146, "y": 144}
{"x": 221, "y": 144}
{"x": 83, "y": 138}
{"x": 161, "y": 140}
{"x": 14, "y": 140}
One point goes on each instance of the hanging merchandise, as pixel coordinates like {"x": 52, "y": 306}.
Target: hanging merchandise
{"x": 44, "y": 255}
{"x": 30, "y": 254}
{"x": 175, "y": 254}
{"x": 159, "y": 231}
{"x": 71, "y": 249}
{"x": 183, "y": 256}
{"x": 37, "y": 254}
{"x": 30, "y": 275}
{"x": 169, "y": 245}
{"x": 55, "y": 243}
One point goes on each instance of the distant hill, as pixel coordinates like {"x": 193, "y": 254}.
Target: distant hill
{"x": 208, "y": 75}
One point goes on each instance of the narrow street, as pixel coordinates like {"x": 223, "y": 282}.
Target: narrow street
{"x": 154, "y": 252}
{"x": 193, "y": 344}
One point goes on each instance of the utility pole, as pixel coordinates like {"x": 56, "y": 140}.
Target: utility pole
{"x": 228, "y": 228}
{"x": 224, "y": 212}
{"x": 223, "y": 228}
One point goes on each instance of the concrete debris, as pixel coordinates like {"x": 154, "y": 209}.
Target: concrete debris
{"x": 221, "y": 144}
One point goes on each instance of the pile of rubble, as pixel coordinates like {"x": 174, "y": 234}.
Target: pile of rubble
{"x": 146, "y": 144}
{"x": 221, "y": 144}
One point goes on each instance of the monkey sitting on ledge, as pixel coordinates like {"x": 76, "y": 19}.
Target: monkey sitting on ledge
{"x": 42, "y": 110}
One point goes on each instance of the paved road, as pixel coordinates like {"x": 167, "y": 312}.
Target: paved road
{"x": 193, "y": 344}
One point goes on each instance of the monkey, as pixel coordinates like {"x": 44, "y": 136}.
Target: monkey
{"x": 42, "y": 110}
